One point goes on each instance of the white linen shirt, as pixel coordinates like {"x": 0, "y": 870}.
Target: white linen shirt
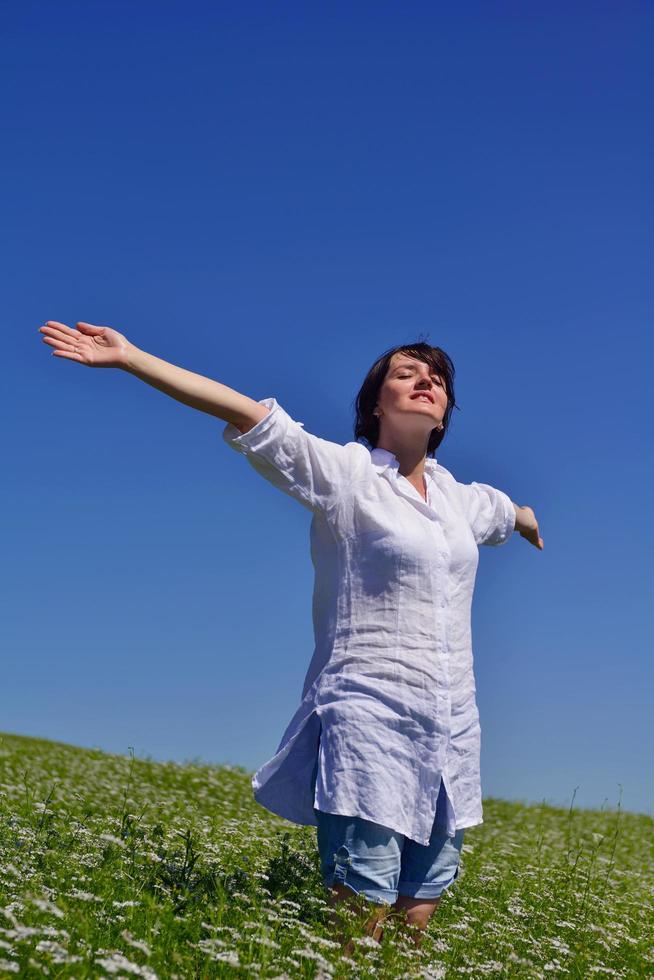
{"x": 388, "y": 703}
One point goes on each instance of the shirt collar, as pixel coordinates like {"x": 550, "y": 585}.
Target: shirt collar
{"x": 383, "y": 458}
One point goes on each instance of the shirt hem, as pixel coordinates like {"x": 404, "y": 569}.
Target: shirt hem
{"x": 466, "y": 824}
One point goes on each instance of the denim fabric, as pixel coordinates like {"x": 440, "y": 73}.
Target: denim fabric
{"x": 380, "y": 863}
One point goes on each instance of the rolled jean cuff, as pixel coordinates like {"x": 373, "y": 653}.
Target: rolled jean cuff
{"x": 360, "y": 886}
{"x": 426, "y": 890}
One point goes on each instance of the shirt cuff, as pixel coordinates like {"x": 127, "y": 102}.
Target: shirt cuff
{"x": 252, "y": 440}
{"x": 507, "y": 527}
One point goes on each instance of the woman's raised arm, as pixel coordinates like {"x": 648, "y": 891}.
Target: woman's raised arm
{"x": 104, "y": 347}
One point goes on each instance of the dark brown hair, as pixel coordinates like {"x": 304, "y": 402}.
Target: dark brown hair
{"x": 367, "y": 424}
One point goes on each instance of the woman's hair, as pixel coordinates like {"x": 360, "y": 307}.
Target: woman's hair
{"x": 367, "y": 424}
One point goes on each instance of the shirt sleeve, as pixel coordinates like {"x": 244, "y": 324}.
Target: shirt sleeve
{"x": 489, "y": 512}
{"x": 312, "y": 470}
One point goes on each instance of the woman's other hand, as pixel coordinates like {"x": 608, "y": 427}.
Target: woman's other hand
{"x": 527, "y": 525}
{"x": 88, "y": 344}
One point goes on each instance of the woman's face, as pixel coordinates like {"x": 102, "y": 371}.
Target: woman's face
{"x": 412, "y": 389}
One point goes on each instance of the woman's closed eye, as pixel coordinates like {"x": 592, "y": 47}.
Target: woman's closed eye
{"x": 437, "y": 380}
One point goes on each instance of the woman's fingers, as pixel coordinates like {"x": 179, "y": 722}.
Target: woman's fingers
{"x": 60, "y": 334}
{"x": 55, "y": 325}
{"x": 61, "y": 343}
{"x": 533, "y": 538}
{"x": 64, "y": 341}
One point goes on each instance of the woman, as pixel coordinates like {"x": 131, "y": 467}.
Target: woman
{"x": 382, "y": 755}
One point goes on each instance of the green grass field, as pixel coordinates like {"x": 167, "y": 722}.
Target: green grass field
{"x": 113, "y": 866}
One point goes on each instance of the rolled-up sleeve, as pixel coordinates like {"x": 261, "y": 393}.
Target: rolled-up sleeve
{"x": 312, "y": 470}
{"x": 489, "y": 512}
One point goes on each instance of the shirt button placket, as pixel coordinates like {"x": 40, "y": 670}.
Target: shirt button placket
{"x": 445, "y": 706}
{"x": 443, "y": 694}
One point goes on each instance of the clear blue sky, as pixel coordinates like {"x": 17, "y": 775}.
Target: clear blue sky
{"x": 272, "y": 195}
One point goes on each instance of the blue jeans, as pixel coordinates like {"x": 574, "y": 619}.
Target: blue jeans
{"x": 381, "y": 863}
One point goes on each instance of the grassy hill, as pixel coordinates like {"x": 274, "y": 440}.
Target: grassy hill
{"x": 119, "y": 867}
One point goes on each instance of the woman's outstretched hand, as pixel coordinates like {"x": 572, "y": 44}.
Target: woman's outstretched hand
{"x": 88, "y": 344}
{"x": 527, "y": 525}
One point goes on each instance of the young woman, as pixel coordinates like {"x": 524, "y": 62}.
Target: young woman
{"x": 382, "y": 754}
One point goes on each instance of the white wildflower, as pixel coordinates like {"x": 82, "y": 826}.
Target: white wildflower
{"x": 136, "y": 943}
{"x": 435, "y": 971}
{"x": 12, "y": 869}
{"x": 112, "y": 839}
{"x": 514, "y": 958}
{"x": 230, "y": 929}
{"x": 323, "y": 973}
{"x": 316, "y": 900}
{"x": 230, "y": 957}
{"x": 116, "y": 961}
{"x": 312, "y": 955}
{"x": 20, "y": 932}
{"x": 9, "y": 966}
{"x": 327, "y": 943}
{"x": 46, "y": 906}
{"x": 58, "y": 953}
{"x": 516, "y": 909}
{"x": 84, "y": 896}
{"x": 558, "y": 944}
